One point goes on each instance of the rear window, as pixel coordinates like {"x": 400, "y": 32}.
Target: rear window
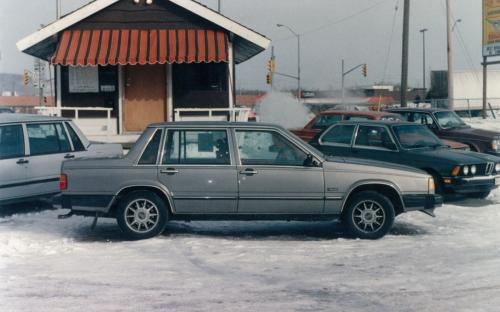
{"x": 196, "y": 147}
{"x": 325, "y": 121}
{"x": 77, "y": 143}
{"x": 47, "y": 138}
{"x": 150, "y": 154}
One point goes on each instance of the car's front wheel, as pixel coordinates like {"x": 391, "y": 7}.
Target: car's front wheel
{"x": 369, "y": 215}
{"x": 142, "y": 214}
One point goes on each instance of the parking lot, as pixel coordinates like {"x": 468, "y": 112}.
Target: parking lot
{"x": 450, "y": 263}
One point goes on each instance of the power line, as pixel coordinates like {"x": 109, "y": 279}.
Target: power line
{"x": 389, "y": 50}
{"x": 344, "y": 19}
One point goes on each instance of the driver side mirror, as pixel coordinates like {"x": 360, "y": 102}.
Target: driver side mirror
{"x": 310, "y": 161}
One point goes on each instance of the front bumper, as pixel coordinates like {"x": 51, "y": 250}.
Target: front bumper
{"x": 471, "y": 185}
{"x": 422, "y": 202}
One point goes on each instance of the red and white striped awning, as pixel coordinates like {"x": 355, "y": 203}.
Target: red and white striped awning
{"x": 134, "y": 46}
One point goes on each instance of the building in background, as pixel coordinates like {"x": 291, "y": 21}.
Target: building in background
{"x": 143, "y": 61}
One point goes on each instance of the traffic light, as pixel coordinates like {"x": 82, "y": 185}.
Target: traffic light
{"x": 271, "y": 65}
{"x": 365, "y": 70}
{"x": 26, "y": 78}
{"x": 269, "y": 79}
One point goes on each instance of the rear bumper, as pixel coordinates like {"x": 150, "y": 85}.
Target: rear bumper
{"x": 471, "y": 185}
{"x": 84, "y": 204}
{"x": 423, "y": 202}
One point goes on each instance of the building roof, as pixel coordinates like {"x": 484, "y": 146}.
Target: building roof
{"x": 247, "y": 42}
{"x": 13, "y": 118}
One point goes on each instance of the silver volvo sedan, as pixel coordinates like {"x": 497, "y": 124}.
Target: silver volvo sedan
{"x": 240, "y": 171}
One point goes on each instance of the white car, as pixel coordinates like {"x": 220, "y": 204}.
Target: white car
{"x": 32, "y": 148}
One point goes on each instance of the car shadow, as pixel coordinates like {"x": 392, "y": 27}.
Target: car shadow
{"x": 25, "y": 208}
{"x": 463, "y": 201}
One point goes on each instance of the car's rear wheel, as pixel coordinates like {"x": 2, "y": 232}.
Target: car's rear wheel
{"x": 142, "y": 214}
{"x": 369, "y": 215}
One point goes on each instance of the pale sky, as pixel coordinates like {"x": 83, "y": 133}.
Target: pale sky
{"x": 357, "y": 30}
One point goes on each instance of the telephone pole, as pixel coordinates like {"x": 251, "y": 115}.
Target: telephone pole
{"x": 404, "y": 65}
{"x": 449, "y": 21}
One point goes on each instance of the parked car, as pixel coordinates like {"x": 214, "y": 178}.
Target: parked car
{"x": 446, "y": 124}
{"x": 243, "y": 171}
{"x": 6, "y": 110}
{"x": 470, "y": 173}
{"x": 327, "y": 118}
{"x": 32, "y": 148}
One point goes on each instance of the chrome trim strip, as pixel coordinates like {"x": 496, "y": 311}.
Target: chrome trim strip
{"x": 280, "y": 198}
{"x": 480, "y": 178}
{"x": 205, "y": 197}
{"x": 333, "y": 198}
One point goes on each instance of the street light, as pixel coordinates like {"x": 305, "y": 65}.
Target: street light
{"x": 299, "y": 91}
{"x": 423, "y": 49}
{"x": 455, "y": 24}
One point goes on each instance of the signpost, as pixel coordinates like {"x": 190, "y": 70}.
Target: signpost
{"x": 491, "y": 41}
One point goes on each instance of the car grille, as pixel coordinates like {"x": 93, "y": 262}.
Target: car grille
{"x": 486, "y": 169}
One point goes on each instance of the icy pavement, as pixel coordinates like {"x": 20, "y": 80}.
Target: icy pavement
{"x": 450, "y": 263}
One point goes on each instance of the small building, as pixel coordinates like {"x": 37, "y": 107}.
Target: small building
{"x": 143, "y": 61}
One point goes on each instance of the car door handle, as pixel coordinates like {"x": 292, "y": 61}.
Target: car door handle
{"x": 249, "y": 172}
{"x": 169, "y": 171}
{"x": 69, "y": 156}
{"x": 22, "y": 161}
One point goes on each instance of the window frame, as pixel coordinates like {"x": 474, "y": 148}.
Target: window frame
{"x": 354, "y": 145}
{"x": 166, "y": 131}
{"x": 158, "y": 153}
{"x": 321, "y": 142}
{"x": 67, "y": 127}
{"x": 25, "y": 143}
{"x": 287, "y": 138}
{"x": 52, "y": 122}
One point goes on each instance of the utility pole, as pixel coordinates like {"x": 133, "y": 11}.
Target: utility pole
{"x": 58, "y": 9}
{"x": 218, "y": 6}
{"x": 423, "y": 52}
{"x": 450, "y": 54}
{"x": 299, "y": 89}
{"x": 404, "y": 65}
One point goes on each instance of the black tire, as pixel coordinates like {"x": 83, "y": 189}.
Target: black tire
{"x": 141, "y": 215}
{"x": 479, "y": 195}
{"x": 368, "y": 215}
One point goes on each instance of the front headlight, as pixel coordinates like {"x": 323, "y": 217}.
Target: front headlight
{"x": 465, "y": 170}
{"x": 473, "y": 169}
{"x": 431, "y": 186}
{"x": 495, "y": 145}
{"x": 497, "y": 167}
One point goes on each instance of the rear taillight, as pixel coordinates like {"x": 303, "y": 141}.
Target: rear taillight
{"x": 63, "y": 182}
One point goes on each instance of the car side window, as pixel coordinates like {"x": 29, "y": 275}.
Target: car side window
{"x": 47, "y": 138}
{"x": 339, "y": 135}
{"x": 406, "y": 115}
{"x": 374, "y": 137}
{"x": 77, "y": 143}
{"x": 11, "y": 141}
{"x": 258, "y": 147}
{"x": 325, "y": 121}
{"x": 196, "y": 147}
{"x": 150, "y": 154}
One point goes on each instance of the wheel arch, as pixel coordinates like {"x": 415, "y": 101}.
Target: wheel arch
{"x": 386, "y": 188}
{"x": 161, "y": 192}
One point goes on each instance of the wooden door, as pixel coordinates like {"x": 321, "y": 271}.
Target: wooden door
{"x": 145, "y": 99}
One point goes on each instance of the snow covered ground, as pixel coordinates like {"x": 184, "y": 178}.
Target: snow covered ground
{"x": 448, "y": 263}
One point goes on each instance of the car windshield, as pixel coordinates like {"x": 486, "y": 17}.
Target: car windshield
{"x": 448, "y": 120}
{"x": 416, "y": 136}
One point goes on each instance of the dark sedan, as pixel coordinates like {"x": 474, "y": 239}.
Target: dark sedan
{"x": 446, "y": 124}
{"x": 464, "y": 172}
